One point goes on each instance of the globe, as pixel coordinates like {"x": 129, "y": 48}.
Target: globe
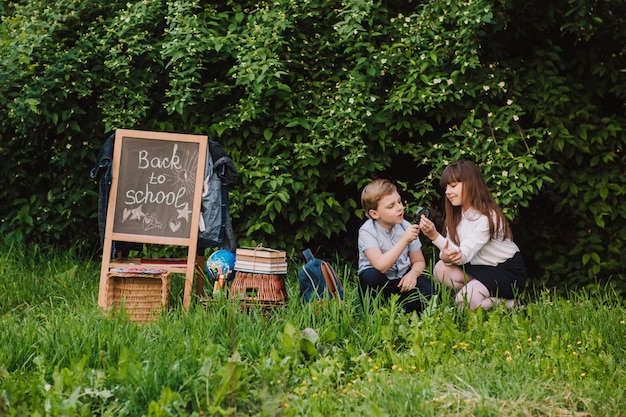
{"x": 221, "y": 262}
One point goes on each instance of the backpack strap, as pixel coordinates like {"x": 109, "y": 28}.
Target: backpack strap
{"x": 331, "y": 281}
{"x": 308, "y": 255}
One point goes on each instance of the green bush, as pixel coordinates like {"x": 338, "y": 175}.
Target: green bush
{"x": 312, "y": 99}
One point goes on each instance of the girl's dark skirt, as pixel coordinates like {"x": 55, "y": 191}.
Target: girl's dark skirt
{"x": 505, "y": 280}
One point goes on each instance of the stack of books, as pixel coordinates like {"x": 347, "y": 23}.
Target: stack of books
{"x": 261, "y": 260}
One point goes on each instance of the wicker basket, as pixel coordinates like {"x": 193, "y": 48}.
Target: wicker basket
{"x": 145, "y": 296}
{"x": 263, "y": 290}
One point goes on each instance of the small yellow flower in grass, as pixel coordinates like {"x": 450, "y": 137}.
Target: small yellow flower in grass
{"x": 345, "y": 390}
{"x": 432, "y": 342}
{"x": 313, "y": 378}
{"x": 413, "y": 367}
{"x": 369, "y": 379}
{"x": 286, "y": 405}
{"x": 454, "y": 346}
{"x": 583, "y": 374}
{"x": 622, "y": 322}
{"x": 393, "y": 367}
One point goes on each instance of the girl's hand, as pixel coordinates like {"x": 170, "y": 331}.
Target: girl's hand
{"x": 428, "y": 227}
{"x": 451, "y": 255}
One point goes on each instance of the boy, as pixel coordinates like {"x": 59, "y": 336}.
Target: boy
{"x": 390, "y": 254}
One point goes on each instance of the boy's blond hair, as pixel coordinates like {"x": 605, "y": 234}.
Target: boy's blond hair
{"x": 374, "y": 192}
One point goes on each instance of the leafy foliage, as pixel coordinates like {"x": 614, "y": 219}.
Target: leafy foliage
{"x": 313, "y": 98}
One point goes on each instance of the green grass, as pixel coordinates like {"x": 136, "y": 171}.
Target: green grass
{"x": 60, "y": 355}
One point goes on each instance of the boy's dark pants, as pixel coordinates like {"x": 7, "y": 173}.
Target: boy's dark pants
{"x": 373, "y": 282}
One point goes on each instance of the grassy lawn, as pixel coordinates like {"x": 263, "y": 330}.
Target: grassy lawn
{"x": 60, "y": 355}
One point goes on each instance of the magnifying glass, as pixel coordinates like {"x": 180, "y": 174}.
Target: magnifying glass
{"x": 419, "y": 213}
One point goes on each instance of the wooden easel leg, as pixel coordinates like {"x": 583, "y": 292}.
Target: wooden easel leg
{"x": 200, "y": 260}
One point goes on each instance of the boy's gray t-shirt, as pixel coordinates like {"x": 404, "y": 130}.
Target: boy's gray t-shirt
{"x": 372, "y": 235}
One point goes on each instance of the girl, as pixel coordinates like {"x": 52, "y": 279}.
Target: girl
{"x": 478, "y": 255}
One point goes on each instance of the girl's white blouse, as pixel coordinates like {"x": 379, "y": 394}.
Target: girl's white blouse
{"x": 476, "y": 245}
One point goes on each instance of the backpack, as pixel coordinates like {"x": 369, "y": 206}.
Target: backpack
{"x": 318, "y": 279}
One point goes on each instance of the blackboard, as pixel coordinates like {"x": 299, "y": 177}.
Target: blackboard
{"x": 156, "y": 189}
{"x": 155, "y": 198}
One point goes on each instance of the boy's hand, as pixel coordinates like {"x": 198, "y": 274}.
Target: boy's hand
{"x": 408, "y": 282}
{"x": 411, "y": 233}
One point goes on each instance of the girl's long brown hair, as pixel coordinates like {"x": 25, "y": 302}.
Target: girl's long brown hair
{"x": 475, "y": 191}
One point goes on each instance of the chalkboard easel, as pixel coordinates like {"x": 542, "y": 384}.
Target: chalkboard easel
{"x": 155, "y": 198}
